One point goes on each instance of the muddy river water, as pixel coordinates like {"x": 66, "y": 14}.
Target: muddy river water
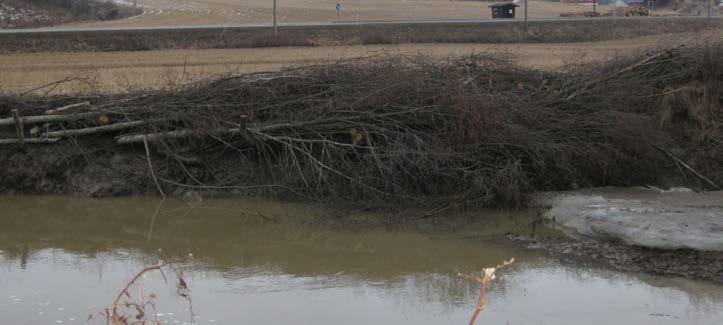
{"x": 262, "y": 262}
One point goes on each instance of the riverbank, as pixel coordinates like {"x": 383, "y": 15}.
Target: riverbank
{"x": 686, "y": 263}
{"x": 470, "y": 131}
{"x": 661, "y": 232}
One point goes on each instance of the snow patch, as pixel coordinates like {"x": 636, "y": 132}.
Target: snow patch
{"x": 656, "y": 219}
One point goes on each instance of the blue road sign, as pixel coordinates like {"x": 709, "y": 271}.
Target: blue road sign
{"x": 338, "y": 6}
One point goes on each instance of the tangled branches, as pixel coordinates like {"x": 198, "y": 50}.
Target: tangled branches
{"x": 477, "y": 130}
{"x": 125, "y": 311}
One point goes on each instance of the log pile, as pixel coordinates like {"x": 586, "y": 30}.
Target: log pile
{"x": 20, "y": 123}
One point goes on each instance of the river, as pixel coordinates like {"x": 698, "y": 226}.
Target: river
{"x": 264, "y": 262}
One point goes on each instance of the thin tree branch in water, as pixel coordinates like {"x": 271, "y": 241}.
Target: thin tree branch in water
{"x": 134, "y": 312}
{"x": 489, "y": 275}
{"x": 150, "y": 167}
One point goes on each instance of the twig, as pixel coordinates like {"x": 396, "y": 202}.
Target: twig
{"x": 433, "y": 213}
{"x": 51, "y": 118}
{"x": 29, "y": 141}
{"x": 100, "y": 129}
{"x": 115, "y": 318}
{"x": 695, "y": 172}
{"x": 153, "y": 218}
{"x": 51, "y": 85}
{"x": 74, "y": 141}
{"x": 587, "y": 87}
{"x": 19, "y": 127}
{"x": 489, "y": 275}
{"x": 68, "y": 107}
{"x": 150, "y": 167}
{"x": 230, "y": 187}
{"x": 211, "y": 187}
{"x": 133, "y": 281}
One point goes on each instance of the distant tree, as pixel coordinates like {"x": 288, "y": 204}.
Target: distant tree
{"x": 92, "y": 8}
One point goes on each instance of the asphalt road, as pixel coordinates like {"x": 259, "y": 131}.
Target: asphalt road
{"x": 327, "y": 24}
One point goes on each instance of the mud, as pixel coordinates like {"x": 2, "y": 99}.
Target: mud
{"x": 70, "y": 169}
{"x": 682, "y": 263}
{"x": 97, "y": 167}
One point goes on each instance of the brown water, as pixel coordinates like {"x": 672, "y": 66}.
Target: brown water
{"x": 260, "y": 262}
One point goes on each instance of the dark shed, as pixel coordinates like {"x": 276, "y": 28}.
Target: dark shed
{"x": 503, "y": 10}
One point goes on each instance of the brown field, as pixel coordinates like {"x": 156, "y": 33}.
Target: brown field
{"x": 170, "y": 38}
{"x": 123, "y": 71}
{"x": 200, "y": 12}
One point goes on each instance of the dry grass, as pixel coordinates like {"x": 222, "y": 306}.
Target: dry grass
{"x": 123, "y": 71}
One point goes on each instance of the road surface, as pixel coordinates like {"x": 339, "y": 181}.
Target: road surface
{"x": 327, "y": 24}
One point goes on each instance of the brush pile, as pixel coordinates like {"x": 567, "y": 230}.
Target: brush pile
{"x": 477, "y": 130}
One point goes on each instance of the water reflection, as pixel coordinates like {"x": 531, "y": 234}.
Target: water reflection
{"x": 262, "y": 262}
{"x": 231, "y": 234}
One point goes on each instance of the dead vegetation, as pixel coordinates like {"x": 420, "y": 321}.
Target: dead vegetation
{"x": 135, "y": 307}
{"x": 477, "y": 130}
{"x": 488, "y": 274}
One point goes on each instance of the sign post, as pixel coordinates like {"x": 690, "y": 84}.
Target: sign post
{"x": 594, "y": 8}
{"x": 338, "y": 8}
{"x": 709, "y": 7}
{"x": 274, "y": 17}
{"x": 525, "y": 16}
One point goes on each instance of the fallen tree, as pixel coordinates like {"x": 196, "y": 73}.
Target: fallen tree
{"x": 476, "y": 130}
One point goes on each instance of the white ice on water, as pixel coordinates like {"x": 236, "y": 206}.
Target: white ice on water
{"x": 643, "y": 217}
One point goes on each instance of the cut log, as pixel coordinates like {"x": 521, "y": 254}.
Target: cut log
{"x": 177, "y": 134}
{"x": 29, "y": 141}
{"x": 50, "y": 118}
{"x": 68, "y": 107}
{"x": 185, "y": 133}
{"x": 99, "y": 129}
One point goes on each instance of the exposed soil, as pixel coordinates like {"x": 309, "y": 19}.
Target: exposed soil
{"x": 99, "y": 169}
{"x": 84, "y": 169}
